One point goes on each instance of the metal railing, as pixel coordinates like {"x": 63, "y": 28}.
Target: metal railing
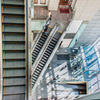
{"x": 43, "y": 48}
{"x": 38, "y": 36}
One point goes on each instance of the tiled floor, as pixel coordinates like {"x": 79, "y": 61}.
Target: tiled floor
{"x": 41, "y": 12}
{"x": 62, "y": 16}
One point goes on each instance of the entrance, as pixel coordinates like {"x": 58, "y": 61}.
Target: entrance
{"x": 63, "y": 2}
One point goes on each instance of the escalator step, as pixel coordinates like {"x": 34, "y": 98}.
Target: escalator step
{"x": 37, "y": 71}
{"x": 52, "y": 45}
{"x": 43, "y": 60}
{"x": 33, "y": 60}
{"x": 34, "y": 79}
{"x": 33, "y": 82}
{"x": 41, "y": 41}
{"x": 41, "y": 64}
{"x": 36, "y": 50}
{"x": 49, "y": 49}
{"x": 34, "y": 76}
{"x": 39, "y": 45}
{"x": 39, "y": 67}
{"x": 54, "y": 39}
{"x": 53, "y": 42}
{"x": 34, "y": 55}
{"x": 44, "y": 36}
{"x": 48, "y": 54}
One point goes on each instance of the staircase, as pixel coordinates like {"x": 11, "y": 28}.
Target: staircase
{"x": 45, "y": 57}
{"x": 39, "y": 45}
{"x": 14, "y": 49}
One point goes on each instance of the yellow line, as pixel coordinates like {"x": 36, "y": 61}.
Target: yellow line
{"x": 57, "y": 31}
{"x": 50, "y": 26}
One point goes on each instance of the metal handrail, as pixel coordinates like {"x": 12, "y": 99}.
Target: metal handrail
{"x": 46, "y": 47}
{"x": 43, "y": 48}
{"x": 37, "y": 38}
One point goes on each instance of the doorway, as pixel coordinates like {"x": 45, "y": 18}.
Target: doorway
{"x": 63, "y": 2}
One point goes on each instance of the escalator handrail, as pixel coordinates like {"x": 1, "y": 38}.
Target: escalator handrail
{"x": 52, "y": 33}
{"x": 38, "y": 36}
{"x": 46, "y": 47}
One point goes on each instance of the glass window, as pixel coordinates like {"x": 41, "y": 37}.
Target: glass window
{"x": 35, "y": 1}
{"x": 42, "y": 1}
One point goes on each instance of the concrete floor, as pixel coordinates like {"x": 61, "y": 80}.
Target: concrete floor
{"x": 62, "y": 24}
{"x": 62, "y": 16}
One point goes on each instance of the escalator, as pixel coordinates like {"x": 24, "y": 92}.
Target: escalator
{"x": 39, "y": 45}
{"x": 45, "y": 56}
{"x": 14, "y": 49}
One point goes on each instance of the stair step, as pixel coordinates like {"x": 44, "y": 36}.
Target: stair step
{"x": 52, "y": 44}
{"x": 41, "y": 41}
{"x": 48, "y": 54}
{"x": 40, "y": 67}
{"x": 45, "y": 55}
{"x": 54, "y": 39}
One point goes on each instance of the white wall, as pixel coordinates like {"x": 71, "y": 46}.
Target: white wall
{"x": 74, "y": 26}
{"x": 53, "y": 4}
{"x": 86, "y": 9}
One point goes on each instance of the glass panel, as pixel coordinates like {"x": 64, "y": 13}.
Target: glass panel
{"x": 42, "y": 1}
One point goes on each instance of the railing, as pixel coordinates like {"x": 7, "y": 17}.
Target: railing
{"x": 41, "y": 55}
{"x": 38, "y": 36}
{"x": 43, "y": 48}
{"x": 40, "y": 17}
{"x": 52, "y": 54}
